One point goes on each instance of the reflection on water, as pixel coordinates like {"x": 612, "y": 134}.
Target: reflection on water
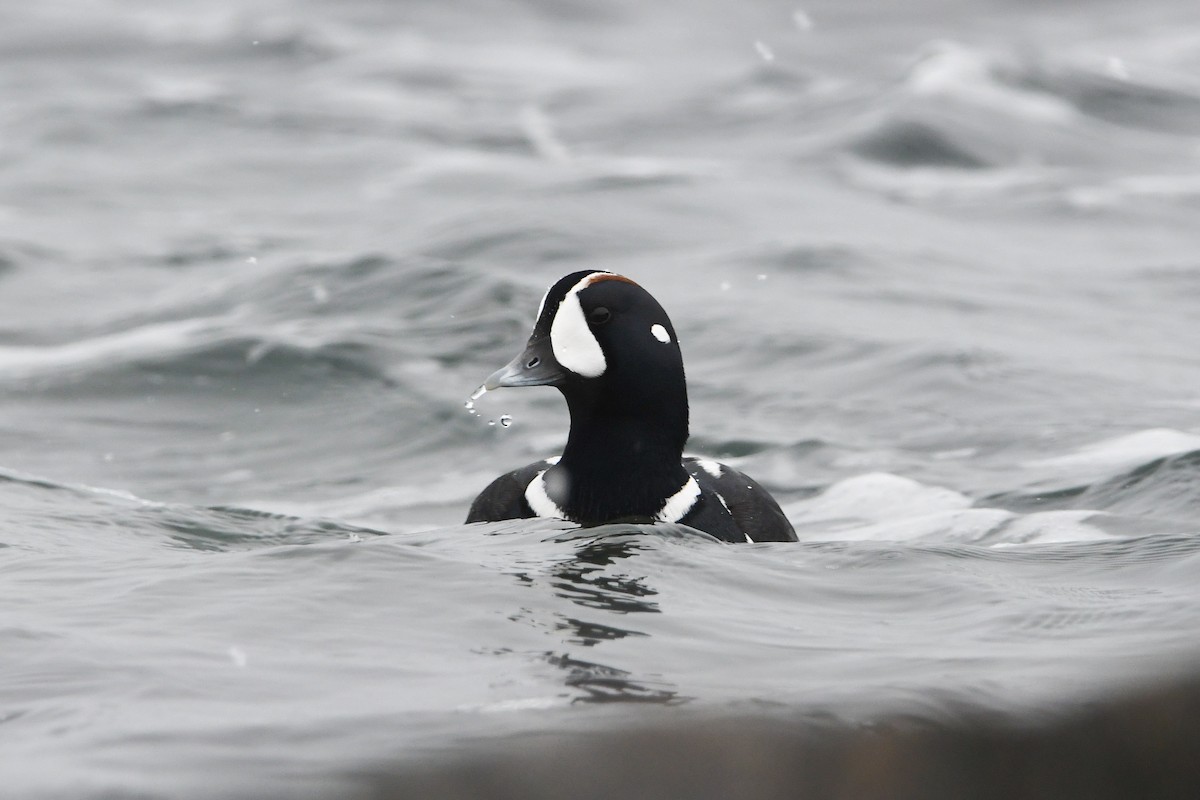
{"x": 603, "y": 684}
{"x": 587, "y": 579}
{"x": 583, "y": 632}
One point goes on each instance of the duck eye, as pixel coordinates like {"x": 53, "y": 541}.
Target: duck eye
{"x": 599, "y": 315}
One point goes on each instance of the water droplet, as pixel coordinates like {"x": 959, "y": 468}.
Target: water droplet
{"x": 319, "y": 293}
{"x": 761, "y": 276}
{"x": 252, "y": 259}
{"x": 505, "y": 420}
{"x": 1116, "y": 68}
{"x": 763, "y": 51}
{"x": 492, "y": 422}
{"x": 726, "y": 286}
{"x": 354, "y": 537}
{"x": 238, "y": 656}
{"x": 478, "y": 393}
{"x": 802, "y": 19}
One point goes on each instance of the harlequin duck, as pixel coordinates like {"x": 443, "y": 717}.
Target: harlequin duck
{"x": 611, "y": 350}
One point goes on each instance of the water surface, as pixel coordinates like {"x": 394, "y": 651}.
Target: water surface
{"x": 933, "y": 269}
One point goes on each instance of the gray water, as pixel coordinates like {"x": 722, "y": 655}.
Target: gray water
{"x": 934, "y": 268}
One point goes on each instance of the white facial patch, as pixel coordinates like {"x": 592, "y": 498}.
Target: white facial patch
{"x": 575, "y": 347}
{"x": 541, "y": 307}
{"x": 660, "y": 333}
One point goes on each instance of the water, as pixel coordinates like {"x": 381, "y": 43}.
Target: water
{"x": 933, "y": 269}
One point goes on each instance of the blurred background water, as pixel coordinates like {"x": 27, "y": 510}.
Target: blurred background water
{"x": 934, "y": 269}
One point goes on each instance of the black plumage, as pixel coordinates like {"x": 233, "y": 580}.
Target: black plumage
{"x": 611, "y": 350}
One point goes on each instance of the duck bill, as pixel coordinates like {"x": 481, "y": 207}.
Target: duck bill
{"x": 535, "y": 366}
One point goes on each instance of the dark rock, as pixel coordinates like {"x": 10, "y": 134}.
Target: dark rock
{"x": 1145, "y": 746}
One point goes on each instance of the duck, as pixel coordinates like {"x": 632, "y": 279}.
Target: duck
{"x": 609, "y": 347}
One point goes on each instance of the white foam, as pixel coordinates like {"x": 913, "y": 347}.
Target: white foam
{"x": 1048, "y": 527}
{"x": 964, "y": 525}
{"x": 881, "y": 507}
{"x": 880, "y": 496}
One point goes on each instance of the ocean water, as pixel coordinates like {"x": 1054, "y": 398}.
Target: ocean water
{"x": 935, "y": 269}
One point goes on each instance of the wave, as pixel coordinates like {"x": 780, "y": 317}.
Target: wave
{"x": 968, "y": 120}
{"x": 1163, "y": 488}
{"x": 191, "y": 347}
{"x": 1105, "y": 90}
{"x": 1125, "y": 450}
{"x": 1142, "y": 483}
{"x": 44, "y": 513}
{"x": 367, "y": 317}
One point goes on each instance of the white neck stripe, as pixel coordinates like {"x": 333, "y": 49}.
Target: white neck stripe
{"x": 680, "y": 503}
{"x": 539, "y": 500}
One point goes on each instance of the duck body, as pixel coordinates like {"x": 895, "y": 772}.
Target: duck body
{"x": 611, "y": 350}
{"x": 726, "y": 503}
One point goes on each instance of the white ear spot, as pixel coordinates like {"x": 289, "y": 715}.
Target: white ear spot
{"x": 574, "y": 345}
{"x": 660, "y": 333}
